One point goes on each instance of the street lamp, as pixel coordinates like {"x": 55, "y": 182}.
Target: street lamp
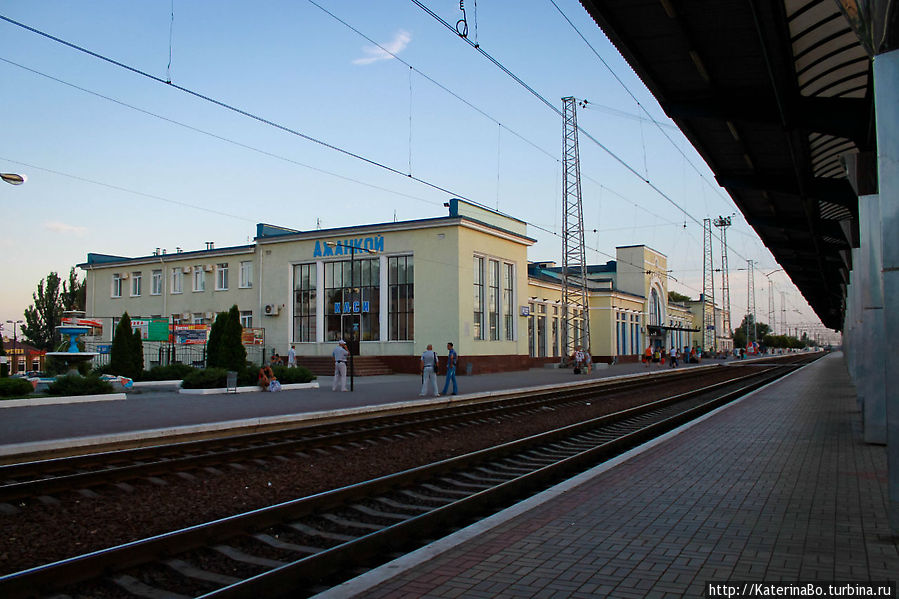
{"x": 15, "y": 341}
{"x": 13, "y": 179}
{"x": 352, "y": 249}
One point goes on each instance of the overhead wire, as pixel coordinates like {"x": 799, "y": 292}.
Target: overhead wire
{"x": 555, "y": 109}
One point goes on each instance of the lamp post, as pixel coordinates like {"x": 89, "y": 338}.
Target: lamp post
{"x": 15, "y": 341}
{"x": 352, "y": 249}
{"x": 13, "y": 179}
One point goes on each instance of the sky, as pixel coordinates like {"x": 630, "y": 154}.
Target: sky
{"x": 322, "y": 114}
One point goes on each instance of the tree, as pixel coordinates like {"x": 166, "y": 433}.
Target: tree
{"x": 137, "y": 354}
{"x": 740, "y": 339}
{"x": 674, "y": 296}
{"x": 122, "y": 360}
{"x": 4, "y": 368}
{"x": 74, "y": 293}
{"x": 225, "y": 347}
{"x": 44, "y": 315}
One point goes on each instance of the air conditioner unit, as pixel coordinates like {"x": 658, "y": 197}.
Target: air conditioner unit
{"x": 209, "y": 267}
{"x": 186, "y": 270}
{"x": 271, "y": 309}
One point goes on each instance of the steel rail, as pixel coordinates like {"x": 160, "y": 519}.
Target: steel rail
{"x": 66, "y": 572}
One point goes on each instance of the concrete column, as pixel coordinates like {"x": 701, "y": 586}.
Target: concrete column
{"x": 872, "y": 343}
{"x": 886, "y": 99}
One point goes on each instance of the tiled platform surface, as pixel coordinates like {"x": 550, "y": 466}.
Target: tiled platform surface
{"x": 778, "y": 487}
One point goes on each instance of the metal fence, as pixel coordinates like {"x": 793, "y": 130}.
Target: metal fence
{"x": 160, "y": 353}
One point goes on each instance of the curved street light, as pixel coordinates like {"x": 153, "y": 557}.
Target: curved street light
{"x": 13, "y": 178}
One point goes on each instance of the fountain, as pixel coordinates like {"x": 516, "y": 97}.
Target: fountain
{"x": 72, "y": 356}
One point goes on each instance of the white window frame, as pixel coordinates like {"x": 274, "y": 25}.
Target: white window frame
{"x": 116, "y": 290}
{"x": 221, "y": 276}
{"x": 136, "y": 284}
{"x": 198, "y": 318}
{"x": 199, "y": 279}
{"x": 156, "y": 282}
{"x": 177, "y": 280}
{"x": 246, "y": 274}
{"x": 246, "y": 319}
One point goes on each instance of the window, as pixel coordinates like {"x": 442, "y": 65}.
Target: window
{"x": 541, "y": 330}
{"x": 246, "y": 274}
{"x": 304, "y": 293}
{"x": 177, "y": 280}
{"x": 508, "y": 302}
{"x": 197, "y": 318}
{"x": 136, "y": 279}
{"x": 353, "y": 300}
{"x": 199, "y": 279}
{"x": 156, "y": 282}
{"x": 655, "y": 308}
{"x": 531, "y": 330}
{"x": 493, "y": 299}
{"x": 221, "y": 277}
{"x": 116, "y": 285}
{"x": 401, "y": 294}
{"x": 246, "y": 319}
{"x": 478, "y": 315}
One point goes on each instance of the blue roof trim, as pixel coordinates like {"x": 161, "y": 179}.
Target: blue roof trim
{"x": 266, "y": 230}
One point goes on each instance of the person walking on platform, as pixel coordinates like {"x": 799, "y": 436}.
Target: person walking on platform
{"x": 429, "y": 371}
{"x": 647, "y": 356}
{"x": 451, "y": 359}
{"x": 674, "y": 356}
{"x": 340, "y": 354}
{"x": 292, "y": 357}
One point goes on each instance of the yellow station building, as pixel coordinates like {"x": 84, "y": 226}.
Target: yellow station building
{"x": 391, "y": 289}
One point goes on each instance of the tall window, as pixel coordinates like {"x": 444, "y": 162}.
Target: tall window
{"x": 199, "y": 279}
{"x": 655, "y": 308}
{"x": 156, "y": 282}
{"x": 136, "y": 286}
{"x": 493, "y": 299}
{"x": 221, "y": 276}
{"x": 508, "y": 299}
{"x": 541, "y": 330}
{"x": 478, "y": 316}
{"x": 246, "y": 319}
{"x": 116, "y": 285}
{"x": 401, "y": 291}
{"x": 246, "y": 274}
{"x": 177, "y": 280}
{"x": 304, "y": 287}
{"x": 197, "y": 318}
{"x": 531, "y": 329}
{"x": 352, "y": 300}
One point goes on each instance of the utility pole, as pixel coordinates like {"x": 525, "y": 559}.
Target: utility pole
{"x": 574, "y": 262}
{"x": 772, "y": 320}
{"x": 750, "y": 302}
{"x": 708, "y": 289}
{"x": 723, "y": 222}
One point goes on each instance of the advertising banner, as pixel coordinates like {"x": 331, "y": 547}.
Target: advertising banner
{"x": 191, "y": 334}
{"x": 151, "y": 329}
{"x": 253, "y": 336}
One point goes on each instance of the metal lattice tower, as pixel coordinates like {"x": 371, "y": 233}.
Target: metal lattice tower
{"x": 709, "y": 335}
{"x": 772, "y": 312}
{"x": 750, "y": 302}
{"x": 575, "y": 331}
{"x": 723, "y": 222}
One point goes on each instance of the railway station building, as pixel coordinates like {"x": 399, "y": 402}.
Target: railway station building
{"x": 391, "y": 289}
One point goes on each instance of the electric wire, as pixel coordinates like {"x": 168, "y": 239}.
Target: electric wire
{"x": 220, "y": 137}
{"x": 552, "y": 107}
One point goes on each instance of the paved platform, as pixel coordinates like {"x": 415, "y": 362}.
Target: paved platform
{"x": 776, "y": 487}
{"x": 151, "y": 413}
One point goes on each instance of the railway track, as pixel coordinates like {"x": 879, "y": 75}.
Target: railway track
{"x": 297, "y": 547}
{"x": 24, "y": 482}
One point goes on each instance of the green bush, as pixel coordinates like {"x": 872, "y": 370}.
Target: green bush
{"x": 79, "y": 385}
{"x": 207, "y": 378}
{"x": 296, "y": 374}
{"x": 172, "y": 372}
{"x": 14, "y": 386}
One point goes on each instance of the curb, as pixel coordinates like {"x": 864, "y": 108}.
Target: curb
{"x": 46, "y": 401}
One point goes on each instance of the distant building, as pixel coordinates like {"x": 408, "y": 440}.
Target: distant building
{"x": 22, "y": 356}
{"x": 391, "y": 289}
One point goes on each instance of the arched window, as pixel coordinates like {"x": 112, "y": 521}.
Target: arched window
{"x": 655, "y": 308}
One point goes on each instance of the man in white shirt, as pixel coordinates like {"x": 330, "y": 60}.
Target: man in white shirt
{"x": 292, "y": 357}
{"x": 340, "y": 354}
{"x": 429, "y": 371}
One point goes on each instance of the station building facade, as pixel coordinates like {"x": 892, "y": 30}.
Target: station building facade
{"x": 391, "y": 289}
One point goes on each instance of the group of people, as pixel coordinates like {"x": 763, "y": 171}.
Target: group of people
{"x": 582, "y": 360}
{"x": 659, "y": 355}
{"x": 429, "y": 365}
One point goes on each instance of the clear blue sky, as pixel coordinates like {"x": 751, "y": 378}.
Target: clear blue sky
{"x": 115, "y": 179}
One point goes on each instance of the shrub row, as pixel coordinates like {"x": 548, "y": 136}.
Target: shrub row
{"x": 14, "y": 386}
{"x": 216, "y": 378}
